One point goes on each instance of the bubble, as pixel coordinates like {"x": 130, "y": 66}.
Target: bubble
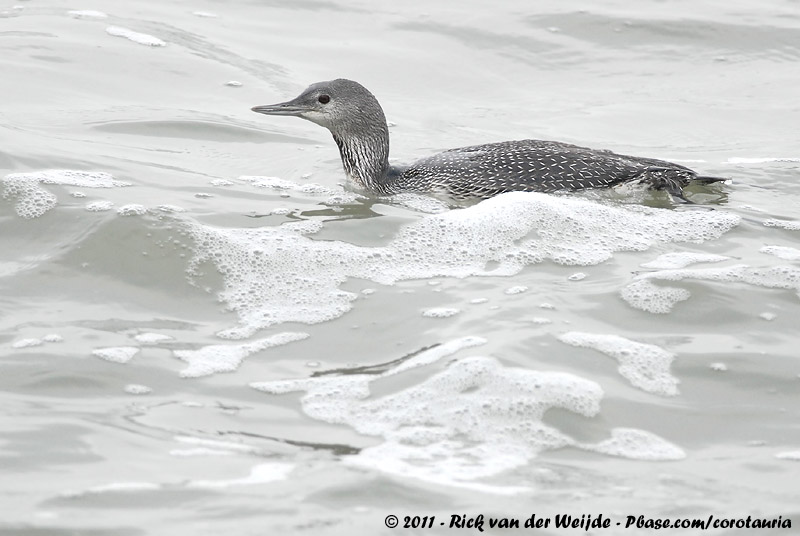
{"x": 117, "y": 354}
{"x": 227, "y": 357}
{"x": 645, "y": 366}
{"x": 440, "y": 312}
{"x": 294, "y": 278}
{"x": 136, "y": 389}
{"x": 33, "y": 201}
{"x": 516, "y": 290}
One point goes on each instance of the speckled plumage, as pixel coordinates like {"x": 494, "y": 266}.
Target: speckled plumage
{"x": 358, "y": 125}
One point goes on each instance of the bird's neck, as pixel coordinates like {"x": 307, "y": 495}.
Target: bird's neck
{"x": 365, "y": 156}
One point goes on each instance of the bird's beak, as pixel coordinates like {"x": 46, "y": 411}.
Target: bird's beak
{"x": 292, "y": 107}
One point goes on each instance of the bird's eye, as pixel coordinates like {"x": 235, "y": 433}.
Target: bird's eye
{"x": 324, "y": 99}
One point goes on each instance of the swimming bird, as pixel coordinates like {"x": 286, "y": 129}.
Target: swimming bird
{"x": 356, "y": 120}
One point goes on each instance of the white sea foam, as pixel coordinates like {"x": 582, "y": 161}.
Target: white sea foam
{"x": 681, "y": 259}
{"x": 32, "y": 201}
{"x": 136, "y": 37}
{"x": 227, "y": 357}
{"x": 519, "y": 289}
{"x": 789, "y": 225}
{"x": 99, "y": 206}
{"x": 782, "y": 252}
{"x": 793, "y": 455}
{"x": 646, "y": 366}
{"x": 132, "y": 209}
{"x": 473, "y": 419}
{"x": 440, "y": 312}
{"x": 117, "y": 354}
{"x": 637, "y": 445}
{"x": 643, "y": 294}
{"x": 275, "y": 274}
{"x": 170, "y": 208}
{"x": 136, "y": 389}
{"x": 27, "y": 343}
{"x": 152, "y": 338}
{"x": 276, "y": 183}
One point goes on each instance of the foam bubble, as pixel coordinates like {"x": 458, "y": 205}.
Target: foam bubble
{"x": 170, "y": 208}
{"x": 789, "y": 225}
{"x": 27, "y": 343}
{"x": 681, "y": 259}
{"x": 276, "y": 183}
{"x": 789, "y": 455}
{"x": 33, "y": 201}
{"x": 440, "y": 312}
{"x": 645, "y": 366}
{"x": 718, "y": 367}
{"x": 782, "y": 252}
{"x": 420, "y": 203}
{"x": 221, "y": 182}
{"x": 577, "y": 276}
{"x": 117, "y": 354}
{"x": 152, "y": 338}
{"x": 516, "y": 290}
{"x": 136, "y": 389}
{"x": 644, "y": 295}
{"x": 99, "y": 206}
{"x": 136, "y": 37}
{"x": 132, "y": 209}
{"x": 767, "y": 316}
{"x": 637, "y": 445}
{"x": 227, "y": 358}
{"x": 53, "y": 337}
{"x": 274, "y": 275}
{"x": 233, "y": 83}
{"x": 473, "y": 419}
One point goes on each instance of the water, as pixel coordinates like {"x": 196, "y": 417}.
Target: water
{"x": 203, "y": 329}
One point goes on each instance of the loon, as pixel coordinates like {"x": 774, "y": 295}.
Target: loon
{"x": 355, "y": 118}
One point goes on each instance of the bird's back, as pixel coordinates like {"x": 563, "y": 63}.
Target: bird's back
{"x": 532, "y": 165}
